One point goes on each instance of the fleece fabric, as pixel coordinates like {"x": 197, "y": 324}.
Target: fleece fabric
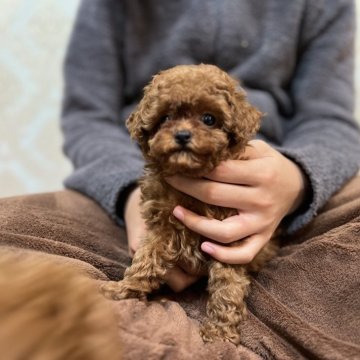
{"x": 304, "y": 304}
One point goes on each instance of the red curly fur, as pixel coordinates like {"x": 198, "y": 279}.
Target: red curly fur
{"x": 176, "y": 100}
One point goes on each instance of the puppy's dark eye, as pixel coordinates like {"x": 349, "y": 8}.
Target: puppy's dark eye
{"x": 208, "y": 119}
{"x": 164, "y": 118}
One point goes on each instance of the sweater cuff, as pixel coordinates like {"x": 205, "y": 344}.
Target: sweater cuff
{"x": 108, "y": 187}
{"x": 327, "y": 171}
{"x": 308, "y": 208}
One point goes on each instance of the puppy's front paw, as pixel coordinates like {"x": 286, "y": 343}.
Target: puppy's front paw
{"x": 211, "y": 332}
{"x": 121, "y": 290}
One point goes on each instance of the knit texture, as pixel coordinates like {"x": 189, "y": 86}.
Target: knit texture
{"x": 294, "y": 59}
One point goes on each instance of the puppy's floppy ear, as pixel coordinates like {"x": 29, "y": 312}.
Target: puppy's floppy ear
{"x": 245, "y": 118}
{"x": 134, "y": 125}
{"x": 136, "y": 130}
{"x": 139, "y": 122}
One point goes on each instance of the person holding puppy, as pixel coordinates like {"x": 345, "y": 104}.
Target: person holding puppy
{"x": 295, "y": 62}
{"x": 307, "y": 146}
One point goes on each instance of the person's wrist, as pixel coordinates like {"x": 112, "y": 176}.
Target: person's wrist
{"x": 303, "y": 189}
{"x": 134, "y": 223}
{"x": 132, "y": 200}
{"x": 123, "y": 199}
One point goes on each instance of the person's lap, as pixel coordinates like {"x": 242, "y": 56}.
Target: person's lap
{"x": 309, "y": 294}
{"x": 68, "y": 225}
{"x": 305, "y": 303}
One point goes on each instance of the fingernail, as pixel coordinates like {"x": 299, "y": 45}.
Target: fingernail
{"x": 208, "y": 248}
{"x": 179, "y": 213}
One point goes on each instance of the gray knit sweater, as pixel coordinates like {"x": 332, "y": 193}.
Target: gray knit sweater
{"x": 294, "y": 58}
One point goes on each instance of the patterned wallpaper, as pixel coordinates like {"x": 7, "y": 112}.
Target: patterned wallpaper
{"x": 33, "y": 37}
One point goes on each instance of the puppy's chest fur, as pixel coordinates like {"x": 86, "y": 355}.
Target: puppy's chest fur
{"x": 158, "y": 202}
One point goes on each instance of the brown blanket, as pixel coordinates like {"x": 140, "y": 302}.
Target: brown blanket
{"x": 304, "y": 304}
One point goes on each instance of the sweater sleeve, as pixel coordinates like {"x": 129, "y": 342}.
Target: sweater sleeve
{"x": 105, "y": 160}
{"x": 322, "y": 137}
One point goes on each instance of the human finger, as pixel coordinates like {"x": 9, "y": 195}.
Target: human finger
{"x": 227, "y": 231}
{"x": 215, "y": 193}
{"x": 178, "y": 280}
{"x": 256, "y": 149}
{"x": 241, "y": 172}
{"x": 243, "y": 253}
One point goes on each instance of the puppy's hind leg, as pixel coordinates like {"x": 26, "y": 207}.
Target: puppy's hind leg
{"x": 146, "y": 274}
{"x": 226, "y": 307}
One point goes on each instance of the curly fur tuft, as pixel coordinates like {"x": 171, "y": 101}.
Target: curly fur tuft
{"x": 190, "y": 119}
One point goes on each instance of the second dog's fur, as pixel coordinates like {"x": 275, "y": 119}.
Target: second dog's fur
{"x": 50, "y": 312}
{"x": 190, "y": 119}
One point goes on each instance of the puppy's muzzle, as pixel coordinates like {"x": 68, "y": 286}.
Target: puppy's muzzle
{"x": 182, "y": 137}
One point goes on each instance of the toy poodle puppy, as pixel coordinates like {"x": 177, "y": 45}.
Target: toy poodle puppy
{"x": 50, "y": 312}
{"x": 191, "y": 118}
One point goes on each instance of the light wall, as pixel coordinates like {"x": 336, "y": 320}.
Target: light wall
{"x": 33, "y": 37}
{"x": 357, "y": 67}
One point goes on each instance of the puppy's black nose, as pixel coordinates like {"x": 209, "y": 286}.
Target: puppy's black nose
{"x": 182, "y": 137}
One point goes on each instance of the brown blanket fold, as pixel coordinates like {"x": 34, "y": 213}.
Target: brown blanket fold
{"x": 304, "y": 304}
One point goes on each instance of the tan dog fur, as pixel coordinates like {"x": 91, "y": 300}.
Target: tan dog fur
{"x": 50, "y": 312}
{"x": 176, "y": 100}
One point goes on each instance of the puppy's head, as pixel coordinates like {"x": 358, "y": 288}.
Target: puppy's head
{"x": 191, "y": 118}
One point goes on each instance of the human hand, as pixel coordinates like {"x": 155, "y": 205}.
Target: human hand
{"x": 179, "y": 277}
{"x": 135, "y": 224}
{"x": 264, "y": 188}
